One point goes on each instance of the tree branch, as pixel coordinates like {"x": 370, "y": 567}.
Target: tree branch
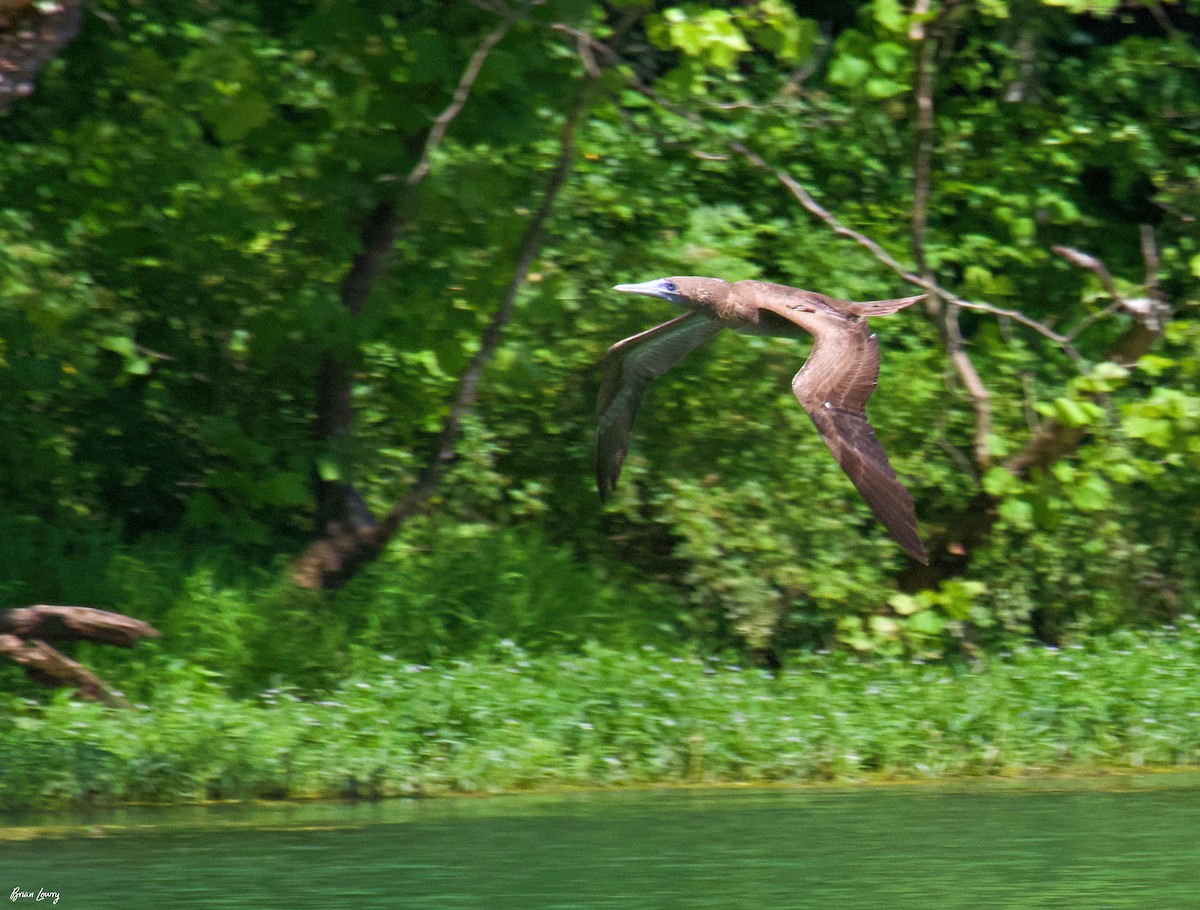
{"x": 468, "y": 388}
{"x": 52, "y": 668}
{"x": 22, "y": 634}
{"x": 1054, "y": 439}
{"x": 814, "y": 208}
{"x": 459, "y": 99}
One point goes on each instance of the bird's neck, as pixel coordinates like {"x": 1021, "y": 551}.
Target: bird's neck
{"x": 718, "y": 299}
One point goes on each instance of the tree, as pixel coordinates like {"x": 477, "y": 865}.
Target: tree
{"x": 31, "y": 34}
{"x": 371, "y": 244}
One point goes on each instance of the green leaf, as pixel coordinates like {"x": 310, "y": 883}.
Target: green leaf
{"x": 1017, "y": 512}
{"x": 890, "y": 15}
{"x": 1070, "y": 412}
{"x": 890, "y": 56}
{"x": 1092, "y": 494}
{"x": 927, "y": 622}
{"x": 328, "y": 469}
{"x": 848, "y": 70}
{"x": 1154, "y": 430}
{"x": 999, "y": 482}
{"x": 905, "y": 604}
{"x": 879, "y": 87}
{"x": 119, "y": 344}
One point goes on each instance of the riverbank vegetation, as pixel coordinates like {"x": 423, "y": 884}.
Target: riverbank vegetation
{"x": 508, "y": 719}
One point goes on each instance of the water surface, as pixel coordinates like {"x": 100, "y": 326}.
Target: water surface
{"x": 1098, "y": 845}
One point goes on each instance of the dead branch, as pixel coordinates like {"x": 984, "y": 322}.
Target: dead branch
{"x": 1150, "y": 258}
{"x": 23, "y": 631}
{"x": 468, "y": 388}
{"x": 813, "y": 207}
{"x": 458, "y": 100}
{"x": 67, "y": 623}
{"x": 52, "y": 668}
{"x": 340, "y": 508}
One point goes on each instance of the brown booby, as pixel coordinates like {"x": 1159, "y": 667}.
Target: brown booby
{"x": 833, "y": 385}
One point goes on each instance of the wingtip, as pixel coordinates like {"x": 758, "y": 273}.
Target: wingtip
{"x": 886, "y": 307}
{"x": 908, "y": 538}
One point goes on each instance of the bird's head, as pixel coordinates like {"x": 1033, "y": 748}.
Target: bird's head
{"x": 683, "y": 291}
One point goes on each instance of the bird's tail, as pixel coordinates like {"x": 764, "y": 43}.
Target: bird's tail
{"x": 883, "y": 307}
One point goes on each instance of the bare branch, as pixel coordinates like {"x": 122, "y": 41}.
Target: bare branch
{"x": 22, "y": 634}
{"x": 385, "y": 221}
{"x": 1160, "y": 16}
{"x": 1054, "y": 439}
{"x": 338, "y": 502}
{"x": 1092, "y": 264}
{"x": 981, "y": 399}
{"x": 1149, "y": 309}
{"x": 51, "y": 668}
{"x": 68, "y": 623}
{"x": 469, "y": 383}
{"x": 916, "y": 28}
{"x": 1095, "y": 317}
{"x": 923, "y": 158}
{"x": 459, "y": 99}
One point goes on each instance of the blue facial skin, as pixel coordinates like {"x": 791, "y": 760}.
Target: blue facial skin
{"x": 663, "y": 288}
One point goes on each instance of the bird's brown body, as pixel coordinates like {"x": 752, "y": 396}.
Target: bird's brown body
{"x": 833, "y": 385}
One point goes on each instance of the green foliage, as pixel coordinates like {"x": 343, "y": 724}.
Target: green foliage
{"x": 452, "y": 590}
{"x": 507, "y": 719}
{"x": 441, "y": 590}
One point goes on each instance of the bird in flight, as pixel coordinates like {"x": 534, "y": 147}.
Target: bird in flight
{"x": 833, "y": 385}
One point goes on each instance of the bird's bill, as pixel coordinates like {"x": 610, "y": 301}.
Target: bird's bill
{"x": 656, "y": 288}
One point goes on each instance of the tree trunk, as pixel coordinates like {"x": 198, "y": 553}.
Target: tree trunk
{"x": 339, "y": 505}
{"x": 31, "y": 35}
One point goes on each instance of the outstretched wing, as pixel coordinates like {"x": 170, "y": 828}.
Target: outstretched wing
{"x": 833, "y": 386}
{"x": 630, "y": 366}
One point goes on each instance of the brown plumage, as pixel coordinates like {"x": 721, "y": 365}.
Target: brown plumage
{"x": 833, "y": 385}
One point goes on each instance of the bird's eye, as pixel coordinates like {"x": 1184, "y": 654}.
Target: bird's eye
{"x": 669, "y": 287}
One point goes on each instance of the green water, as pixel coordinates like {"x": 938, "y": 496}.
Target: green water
{"x": 1071, "y": 846}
